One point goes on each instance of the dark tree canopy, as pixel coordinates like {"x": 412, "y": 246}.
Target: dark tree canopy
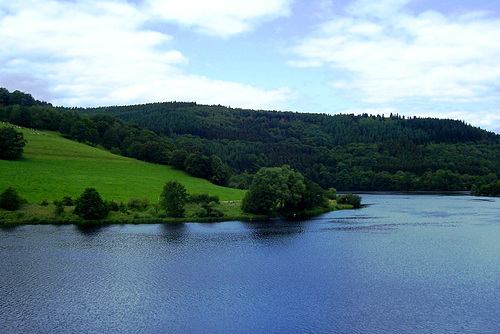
{"x": 281, "y": 190}
{"x": 90, "y": 205}
{"x": 10, "y": 199}
{"x": 173, "y": 199}
{"x": 11, "y": 144}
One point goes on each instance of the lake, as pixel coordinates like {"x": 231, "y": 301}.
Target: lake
{"x": 403, "y": 264}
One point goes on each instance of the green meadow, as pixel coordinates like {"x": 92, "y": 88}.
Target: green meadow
{"x": 53, "y": 167}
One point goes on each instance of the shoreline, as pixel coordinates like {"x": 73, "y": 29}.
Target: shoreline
{"x": 17, "y": 218}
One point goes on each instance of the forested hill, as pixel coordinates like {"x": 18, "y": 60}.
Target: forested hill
{"x": 218, "y": 122}
{"x": 228, "y": 146}
{"x": 380, "y": 152}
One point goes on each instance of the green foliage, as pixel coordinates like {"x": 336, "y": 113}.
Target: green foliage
{"x": 209, "y": 210}
{"x": 11, "y": 144}
{"x": 350, "y": 199}
{"x": 173, "y": 198}
{"x": 90, "y": 205}
{"x": 177, "y": 158}
{"x": 65, "y": 168}
{"x": 67, "y": 201}
{"x": 491, "y": 189}
{"x": 11, "y": 200}
{"x": 113, "y": 206}
{"x": 219, "y": 171}
{"x": 138, "y": 204}
{"x": 59, "y": 209}
{"x": 368, "y": 152}
{"x": 281, "y": 190}
{"x": 198, "y": 165}
{"x": 348, "y": 152}
{"x": 202, "y": 198}
{"x": 331, "y": 193}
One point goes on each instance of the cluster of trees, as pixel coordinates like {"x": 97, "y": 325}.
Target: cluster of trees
{"x": 281, "y": 190}
{"x": 491, "y": 189}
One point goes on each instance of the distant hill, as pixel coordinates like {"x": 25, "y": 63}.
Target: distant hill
{"x": 367, "y": 152}
{"x": 227, "y": 146}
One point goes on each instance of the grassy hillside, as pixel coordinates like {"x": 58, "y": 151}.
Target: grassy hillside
{"x": 53, "y": 167}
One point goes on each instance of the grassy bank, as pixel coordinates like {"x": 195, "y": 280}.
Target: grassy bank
{"x": 54, "y": 167}
{"x": 35, "y": 213}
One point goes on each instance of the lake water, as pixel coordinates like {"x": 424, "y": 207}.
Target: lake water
{"x": 404, "y": 264}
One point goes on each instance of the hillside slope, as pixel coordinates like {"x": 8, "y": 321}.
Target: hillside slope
{"x": 348, "y": 152}
{"x": 54, "y": 167}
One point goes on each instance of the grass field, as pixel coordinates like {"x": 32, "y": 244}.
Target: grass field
{"x": 54, "y": 167}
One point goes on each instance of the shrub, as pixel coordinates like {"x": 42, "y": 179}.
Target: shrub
{"x": 59, "y": 208}
{"x": 331, "y": 193}
{"x": 138, "y": 204}
{"x": 202, "y": 198}
{"x": 67, "y": 201}
{"x": 113, "y": 206}
{"x": 10, "y": 199}
{"x": 351, "y": 199}
{"x": 90, "y": 205}
{"x": 209, "y": 210}
{"x": 44, "y": 203}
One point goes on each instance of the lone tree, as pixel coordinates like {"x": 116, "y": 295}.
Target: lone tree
{"x": 10, "y": 199}
{"x": 12, "y": 143}
{"x": 90, "y": 205}
{"x": 173, "y": 199}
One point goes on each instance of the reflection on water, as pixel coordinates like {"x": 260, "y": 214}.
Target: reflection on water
{"x": 403, "y": 264}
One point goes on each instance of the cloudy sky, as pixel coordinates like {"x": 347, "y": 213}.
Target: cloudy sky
{"x": 421, "y": 57}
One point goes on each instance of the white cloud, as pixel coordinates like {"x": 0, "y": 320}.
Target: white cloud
{"x": 219, "y": 17}
{"x": 90, "y": 53}
{"x": 388, "y": 55}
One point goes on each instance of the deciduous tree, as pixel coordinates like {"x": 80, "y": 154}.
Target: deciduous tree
{"x": 173, "y": 198}
{"x": 12, "y": 144}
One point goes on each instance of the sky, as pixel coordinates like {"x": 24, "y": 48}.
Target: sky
{"x": 414, "y": 58}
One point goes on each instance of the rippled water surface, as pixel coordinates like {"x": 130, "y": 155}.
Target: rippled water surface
{"x": 404, "y": 264}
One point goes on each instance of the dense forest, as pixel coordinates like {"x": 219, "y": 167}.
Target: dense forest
{"x": 348, "y": 152}
{"x": 228, "y": 146}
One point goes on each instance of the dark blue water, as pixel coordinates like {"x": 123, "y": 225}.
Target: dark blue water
{"x": 405, "y": 264}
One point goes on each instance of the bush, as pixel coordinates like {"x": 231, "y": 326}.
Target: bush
{"x": 138, "y": 204}
{"x": 44, "y": 203}
{"x": 113, "y": 206}
{"x": 67, "y": 201}
{"x": 202, "y": 198}
{"x": 351, "y": 199}
{"x": 209, "y": 210}
{"x": 331, "y": 193}
{"x": 59, "y": 208}
{"x": 90, "y": 205}
{"x": 10, "y": 199}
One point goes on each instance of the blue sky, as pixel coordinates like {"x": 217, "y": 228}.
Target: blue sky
{"x": 424, "y": 58}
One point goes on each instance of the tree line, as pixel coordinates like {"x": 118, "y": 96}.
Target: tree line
{"x": 348, "y": 152}
{"x": 228, "y": 146}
